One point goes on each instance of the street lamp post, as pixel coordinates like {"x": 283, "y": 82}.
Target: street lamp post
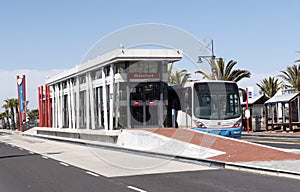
{"x": 212, "y": 61}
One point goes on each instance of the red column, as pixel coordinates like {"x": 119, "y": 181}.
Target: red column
{"x": 49, "y": 106}
{"x": 46, "y": 106}
{"x": 247, "y": 119}
{"x": 40, "y": 106}
{"x": 42, "y": 124}
{"x": 24, "y": 97}
{"x": 20, "y": 114}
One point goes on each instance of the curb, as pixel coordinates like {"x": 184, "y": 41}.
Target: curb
{"x": 263, "y": 170}
{"x": 271, "y": 136}
{"x": 204, "y": 162}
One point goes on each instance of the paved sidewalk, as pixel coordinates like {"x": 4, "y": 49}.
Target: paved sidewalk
{"x": 107, "y": 162}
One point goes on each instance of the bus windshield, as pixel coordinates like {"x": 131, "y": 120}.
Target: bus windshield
{"x": 216, "y": 100}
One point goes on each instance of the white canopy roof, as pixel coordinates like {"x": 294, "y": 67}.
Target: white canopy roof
{"x": 281, "y": 98}
{"x": 170, "y": 55}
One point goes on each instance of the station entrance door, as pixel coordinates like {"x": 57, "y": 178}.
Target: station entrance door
{"x": 148, "y": 102}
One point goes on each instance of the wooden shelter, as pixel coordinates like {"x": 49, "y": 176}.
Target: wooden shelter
{"x": 282, "y": 112}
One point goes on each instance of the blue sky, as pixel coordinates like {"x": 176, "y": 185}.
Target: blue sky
{"x": 261, "y": 35}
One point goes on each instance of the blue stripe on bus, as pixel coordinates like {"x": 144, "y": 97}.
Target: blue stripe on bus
{"x": 235, "y": 132}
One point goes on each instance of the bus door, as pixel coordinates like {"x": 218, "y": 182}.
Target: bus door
{"x": 144, "y": 104}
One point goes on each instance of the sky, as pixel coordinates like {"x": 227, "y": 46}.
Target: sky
{"x": 42, "y": 38}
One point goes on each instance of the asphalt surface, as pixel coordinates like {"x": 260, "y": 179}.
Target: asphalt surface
{"x": 280, "y": 145}
{"x": 285, "y": 143}
{"x": 21, "y": 170}
{"x": 212, "y": 181}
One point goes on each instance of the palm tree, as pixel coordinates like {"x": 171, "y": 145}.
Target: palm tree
{"x": 33, "y": 114}
{"x": 225, "y": 73}
{"x": 12, "y": 104}
{"x": 292, "y": 75}
{"x": 178, "y": 77}
{"x": 269, "y": 86}
{"x": 6, "y": 117}
{"x": 2, "y": 118}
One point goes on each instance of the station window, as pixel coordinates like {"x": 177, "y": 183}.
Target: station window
{"x": 107, "y": 70}
{"x": 123, "y": 92}
{"x": 96, "y": 75}
{"x": 164, "y": 67}
{"x": 64, "y": 84}
{"x": 120, "y": 68}
{"x": 82, "y": 79}
{"x": 144, "y": 67}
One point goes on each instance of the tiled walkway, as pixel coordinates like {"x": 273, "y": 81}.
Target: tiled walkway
{"x": 235, "y": 150}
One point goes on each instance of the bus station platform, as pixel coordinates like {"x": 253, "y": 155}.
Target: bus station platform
{"x": 232, "y": 153}
{"x": 233, "y": 150}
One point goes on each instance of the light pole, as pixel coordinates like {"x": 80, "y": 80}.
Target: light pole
{"x": 212, "y": 61}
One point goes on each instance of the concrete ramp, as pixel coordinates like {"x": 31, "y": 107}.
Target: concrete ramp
{"x": 144, "y": 140}
{"x": 230, "y": 150}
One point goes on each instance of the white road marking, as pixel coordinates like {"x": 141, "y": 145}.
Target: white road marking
{"x": 31, "y": 152}
{"x": 64, "y": 164}
{"x": 91, "y": 173}
{"x": 136, "y": 189}
{"x": 21, "y": 148}
{"x": 45, "y": 157}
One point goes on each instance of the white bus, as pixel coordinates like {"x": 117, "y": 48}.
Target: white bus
{"x": 208, "y": 106}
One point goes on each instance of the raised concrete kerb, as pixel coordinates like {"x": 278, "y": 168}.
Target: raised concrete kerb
{"x": 152, "y": 142}
{"x": 35, "y": 130}
{"x": 262, "y": 170}
{"x": 275, "y": 136}
{"x": 83, "y": 134}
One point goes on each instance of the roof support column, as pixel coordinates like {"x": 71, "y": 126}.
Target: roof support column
{"x": 77, "y": 91}
{"x": 87, "y": 103}
{"x": 69, "y": 104}
{"x": 61, "y": 92}
{"x": 92, "y": 100}
{"x": 111, "y": 98}
{"x": 73, "y": 116}
{"x": 104, "y": 100}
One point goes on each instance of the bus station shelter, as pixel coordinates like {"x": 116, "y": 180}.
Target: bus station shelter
{"x": 125, "y": 88}
{"x": 257, "y": 113}
{"x": 282, "y": 112}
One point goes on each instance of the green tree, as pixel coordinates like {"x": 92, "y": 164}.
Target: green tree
{"x": 16, "y": 106}
{"x": 177, "y": 77}
{"x": 2, "y": 118}
{"x": 6, "y": 117}
{"x": 33, "y": 114}
{"x": 269, "y": 86}
{"x": 224, "y": 72}
{"x": 12, "y": 105}
{"x": 292, "y": 75}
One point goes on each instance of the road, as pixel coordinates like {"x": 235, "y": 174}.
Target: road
{"x": 285, "y": 143}
{"x": 22, "y": 170}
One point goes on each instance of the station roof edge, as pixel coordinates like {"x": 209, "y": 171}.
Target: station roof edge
{"x": 116, "y": 56}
